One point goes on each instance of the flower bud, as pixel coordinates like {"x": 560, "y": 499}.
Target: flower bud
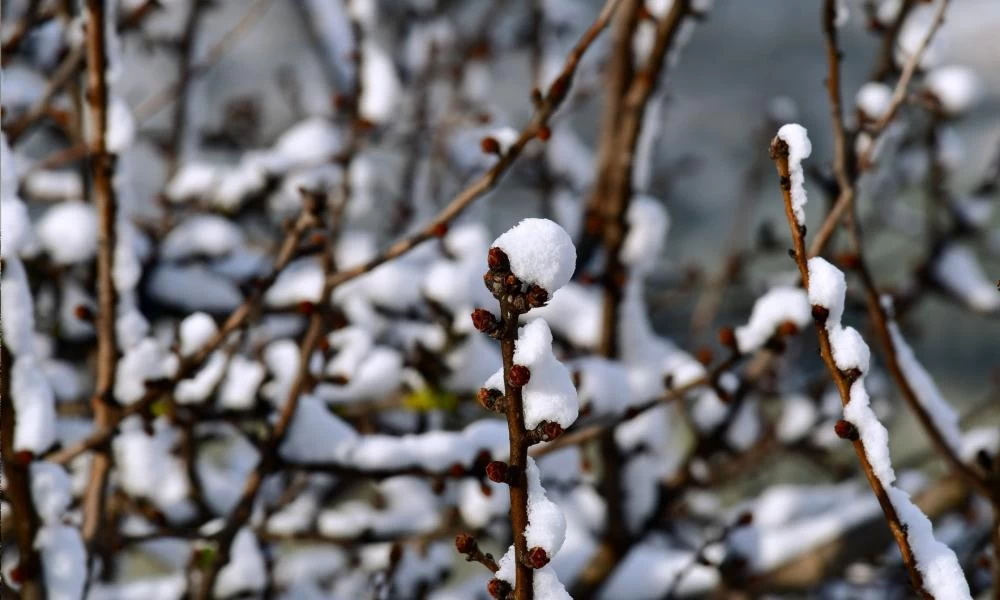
{"x": 496, "y": 471}
{"x": 519, "y": 375}
{"x": 846, "y": 430}
{"x": 536, "y": 558}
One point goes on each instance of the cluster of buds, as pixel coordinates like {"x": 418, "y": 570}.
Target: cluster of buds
{"x": 545, "y": 432}
{"x": 506, "y": 287}
{"x": 492, "y": 400}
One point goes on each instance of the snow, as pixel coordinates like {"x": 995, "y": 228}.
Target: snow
{"x": 574, "y": 312}
{"x": 942, "y": 576}
{"x": 64, "y": 561}
{"x": 650, "y": 568}
{"x": 959, "y": 272}
{"x": 944, "y": 417}
{"x": 51, "y": 492}
{"x": 315, "y": 434}
{"x": 434, "y": 451}
{"x": 799, "y": 148}
{"x": 301, "y": 280}
{"x": 939, "y": 568}
{"x": 546, "y": 524}
{"x": 147, "y": 361}
{"x": 827, "y": 287}
{"x": 777, "y": 306}
{"x": 198, "y": 388}
{"x": 648, "y": 224}
{"x": 239, "y": 387}
{"x": 799, "y": 415}
{"x": 957, "y": 88}
{"x": 192, "y": 288}
{"x": 913, "y": 33}
{"x": 246, "y": 571}
{"x": 873, "y": 99}
{"x": 18, "y": 323}
{"x": 540, "y": 252}
{"x": 192, "y": 180}
{"x": 378, "y": 376}
{"x": 545, "y": 583}
{"x": 148, "y": 468}
{"x": 196, "y": 330}
{"x": 380, "y": 87}
{"x": 15, "y": 225}
{"x": 54, "y": 185}
{"x": 68, "y": 232}
{"x": 603, "y": 385}
{"x": 549, "y": 394}
{"x": 201, "y": 235}
{"x": 34, "y": 404}
{"x": 314, "y": 140}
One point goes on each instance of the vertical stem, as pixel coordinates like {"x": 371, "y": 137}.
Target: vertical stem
{"x": 524, "y": 575}
{"x": 102, "y": 166}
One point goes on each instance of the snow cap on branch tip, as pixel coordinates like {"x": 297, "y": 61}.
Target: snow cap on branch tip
{"x": 799, "y": 148}
{"x": 540, "y": 253}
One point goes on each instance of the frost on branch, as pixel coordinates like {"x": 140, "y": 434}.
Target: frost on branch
{"x": 939, "y": 567}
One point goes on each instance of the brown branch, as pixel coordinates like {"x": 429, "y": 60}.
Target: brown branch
{"x": 557, "y": 93}
{"x": 158, "y": 101}
{"x": 186, "y": 50}
{"x": 102, "y": 169}
{"x": 189, "y": 365}
{"x": 842, "y": 206}
{"x": 269, "y": 451}
{"x": 779, "y": 153}
{"x": 886, "y": 61}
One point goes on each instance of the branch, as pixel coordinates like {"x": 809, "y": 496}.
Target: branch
{"x": 106, "y": 203}
{"x": 780, "y": 153}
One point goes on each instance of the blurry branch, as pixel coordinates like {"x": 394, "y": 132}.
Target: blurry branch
{"x": 186, "y": 49}
{"x": 189, "y": 365}
{"x": 241, "y": 513}
{"x": 811, "y": 568}
{"x": 102, "y": 164}
{"x": 546, "y": 106}
{"x": 845, "y": 200}
{"x": 158, "y": 101}
{"x": 885, "y": 63}
{"x": 779, "y": 153}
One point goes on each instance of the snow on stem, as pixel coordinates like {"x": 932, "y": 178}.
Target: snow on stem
{"x": 933, "y": 567}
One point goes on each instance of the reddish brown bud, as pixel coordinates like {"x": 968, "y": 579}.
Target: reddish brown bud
{"x": 559, "y": 88}
{"x": 587, "y": 279}
{"x": 497, "y": 260}
{"x": 537, "y": 296}
{"x": 484, "y": 457}
{"x": 24, "y": 457}
{"x": 519, "y": 375}
{"x": 484, "y": 118}
{"x": 551, "y": 431}
{"x": 788, "y": 329}
{"x": 483, "y": 320}
{"x": 846, "y": 430}
{"x": 18, "y": 574}
{"x": 440, "y": 230}
{"x": 820, "y": 313}
{"x": 727, "y": 337}
{"x": 339, "y": 379}
{"x": 490, "y": 399}
{"x": 496, "y": 471}
{"x": 306, "y": 308}
{"x": 536, "y": 558}
{"x": 704, "y": 355}
{"x": 324, "y": 345}
{"x": 489, "y": 145}
{"x": 395, "y": 553}
{"x": 744, "y": 519}
{"x": 593, "y": 223}
{"x": 498, "y": 588}
{"x": 852, "y": 374}
{"x": 456, "y": 470}
{"x": 83, "y": 312}
{"x": 317, "y": 239}
{"x": 849, "y": 260}
{"x": 544, "y": 133}
{"x": 511, "y": 281}
{"x": 465, "y": 543}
